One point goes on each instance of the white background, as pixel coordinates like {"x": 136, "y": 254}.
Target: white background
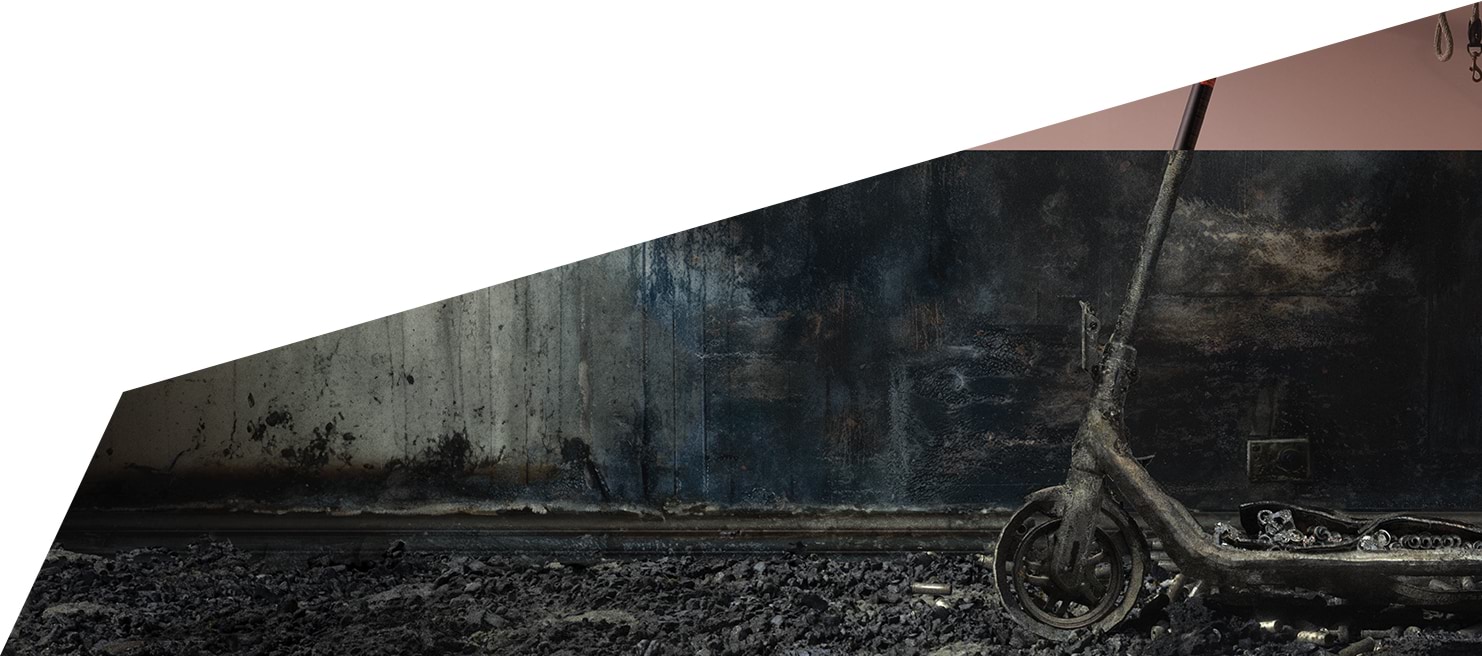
{"x": 185, "y": 183}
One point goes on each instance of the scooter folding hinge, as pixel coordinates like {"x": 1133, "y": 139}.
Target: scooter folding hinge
{"x": 1090, "y": 342}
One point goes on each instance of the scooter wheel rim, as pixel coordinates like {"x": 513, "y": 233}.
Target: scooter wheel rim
{"x": 1047, "y": 604}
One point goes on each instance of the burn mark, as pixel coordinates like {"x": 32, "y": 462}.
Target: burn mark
{"x": 260, "y": 430}
{"x": 577, "y": 452}
{"x": 451, "y": 454}
{"x": 309, "y": 458}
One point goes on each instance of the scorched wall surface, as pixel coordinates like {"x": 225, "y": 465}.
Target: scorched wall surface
{"x": 907, "y": 341}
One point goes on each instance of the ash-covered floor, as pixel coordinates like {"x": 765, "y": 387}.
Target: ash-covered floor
{"x": 214, "y": 599}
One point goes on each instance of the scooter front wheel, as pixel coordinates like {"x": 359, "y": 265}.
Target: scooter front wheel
{"x": 1112, "y": 571}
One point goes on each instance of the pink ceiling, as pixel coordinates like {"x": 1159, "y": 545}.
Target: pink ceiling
{"x": 1378, "y": 92}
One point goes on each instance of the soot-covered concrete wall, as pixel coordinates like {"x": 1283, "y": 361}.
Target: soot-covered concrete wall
{"x": 906, "y": 341}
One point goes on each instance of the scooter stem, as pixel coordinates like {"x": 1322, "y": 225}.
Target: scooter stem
{"x": 1085, "y": 483}
{"x": 1152, "y": 240}
{"x": 1152, "y": 247}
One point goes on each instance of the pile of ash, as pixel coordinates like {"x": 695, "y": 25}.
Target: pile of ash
{"x": 214, "y": 599}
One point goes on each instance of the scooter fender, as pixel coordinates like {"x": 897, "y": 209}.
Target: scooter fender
{"x": 1053, "y": 497}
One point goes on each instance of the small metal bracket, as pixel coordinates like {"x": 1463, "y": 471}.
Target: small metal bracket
{"x": 1278, "y": 460}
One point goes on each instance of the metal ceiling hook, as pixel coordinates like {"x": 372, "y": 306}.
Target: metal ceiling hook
{"x": 1444, "y": 43}
{"x": 1474, "y": 40}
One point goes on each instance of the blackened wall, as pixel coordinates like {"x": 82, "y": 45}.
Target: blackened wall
{"x": 906, "y": 341}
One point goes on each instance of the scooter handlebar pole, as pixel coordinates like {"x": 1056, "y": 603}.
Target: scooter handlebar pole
{"x": 1085, "y": 482}
{"x": 1152, "y": 244}
{"x": 1188, "y": 129}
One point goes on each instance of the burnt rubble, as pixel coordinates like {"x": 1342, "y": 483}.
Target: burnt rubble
{"x": 214, "y": 599}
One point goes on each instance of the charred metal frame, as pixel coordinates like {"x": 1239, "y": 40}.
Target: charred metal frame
{"x": 1105, "y": 480}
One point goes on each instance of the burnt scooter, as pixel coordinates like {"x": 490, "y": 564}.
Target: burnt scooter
{"x": 1074, "y": 558}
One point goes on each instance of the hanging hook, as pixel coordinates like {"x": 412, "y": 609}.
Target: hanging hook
{"x": 1474, "y": 40}
{"x": 1444, "y": 42}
